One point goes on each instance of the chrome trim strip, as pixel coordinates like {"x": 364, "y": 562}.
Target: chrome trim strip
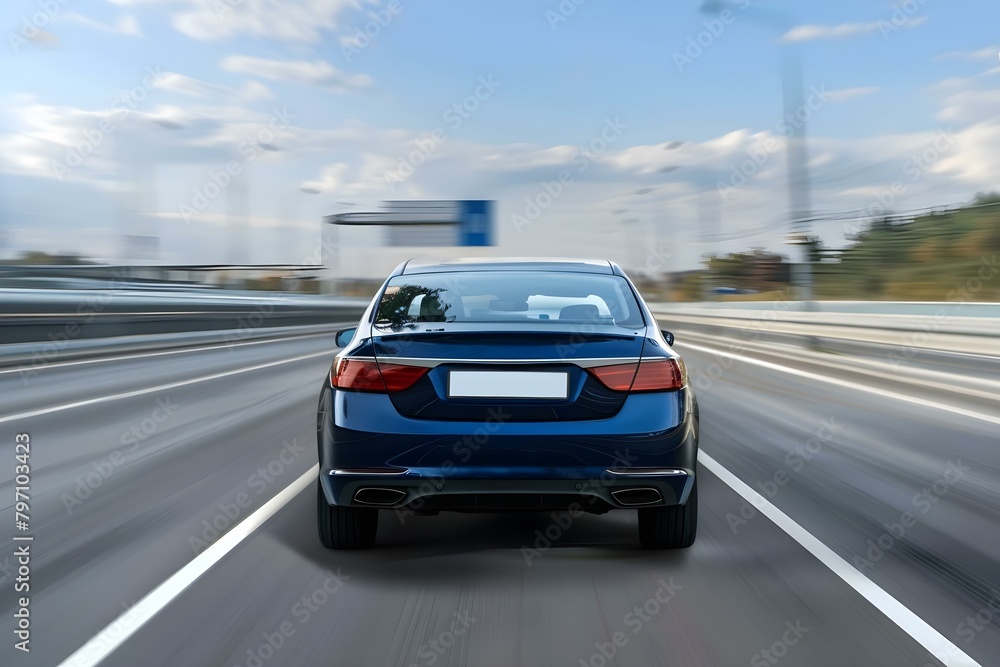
{"x": 432, "y": 362}
{"x": 339, "y": 357}
{"x": 676, "y": 472}
{"x": 361, "y": 471}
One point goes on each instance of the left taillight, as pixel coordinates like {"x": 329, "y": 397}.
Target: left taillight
{"x": 369, "y": 375}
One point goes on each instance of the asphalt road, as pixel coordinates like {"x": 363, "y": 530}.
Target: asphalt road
{"x": 124, "y": 492}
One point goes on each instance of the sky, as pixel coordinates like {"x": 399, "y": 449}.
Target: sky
{"x": 646, "y": 132}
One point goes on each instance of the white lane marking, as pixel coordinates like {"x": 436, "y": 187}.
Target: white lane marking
{"x": 937, "y": 644}
{"x": 992, "y": 419}
{"x": 128, "y": 623}
{"x": 144, "y": 355}
{"x": 162, "y": 387}
{"x": 107, "y": 640}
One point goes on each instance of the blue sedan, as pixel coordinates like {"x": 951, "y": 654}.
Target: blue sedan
{"x": 507, "y": 386}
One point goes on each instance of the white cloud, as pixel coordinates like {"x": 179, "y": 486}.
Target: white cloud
{"x": 806, "y": 33}
{"x": 182, "y": 144}
{"x": 185, "y": 85}
{"x": 125, "y": 25}
{"x": 300, "y": 21}
{"x": 318, "y": 72}
{"x": 255, "y": 90}
{"x": 976, "y": 157}
{"x": 981, "y": 54}
{"x": 332, "y": 180}
{"x": 850, "y": 93}
{"x": 970, "y": 105}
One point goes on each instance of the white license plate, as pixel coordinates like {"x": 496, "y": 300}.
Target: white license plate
{"x": 507, "y": 384}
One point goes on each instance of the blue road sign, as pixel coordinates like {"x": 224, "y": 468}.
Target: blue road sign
{"x": 476, "y": 222}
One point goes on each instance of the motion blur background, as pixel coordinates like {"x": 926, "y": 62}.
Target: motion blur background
{"x": 705, "y": 147}
{"x": 806, "y": 193}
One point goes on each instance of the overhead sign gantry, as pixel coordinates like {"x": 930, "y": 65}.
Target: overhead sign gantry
{"x": 429, "y": 223}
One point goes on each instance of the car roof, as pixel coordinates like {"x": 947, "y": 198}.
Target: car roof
{"x": 555, "y": 264}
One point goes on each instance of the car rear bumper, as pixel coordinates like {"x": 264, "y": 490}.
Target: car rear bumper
{"x": 508, "y": 489}
{"x": 645, "y": 456}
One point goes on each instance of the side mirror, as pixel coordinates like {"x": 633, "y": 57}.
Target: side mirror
{"x": 344, "y": 336}
{"x": 669, "y": 336}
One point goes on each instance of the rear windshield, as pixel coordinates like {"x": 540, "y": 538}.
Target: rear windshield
{"x": 509, "y": 296}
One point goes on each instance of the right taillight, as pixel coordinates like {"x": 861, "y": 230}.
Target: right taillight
{"x": 648, "y": 375}
{"x": 369, "y": 375}
{"x": 665, "y": 375}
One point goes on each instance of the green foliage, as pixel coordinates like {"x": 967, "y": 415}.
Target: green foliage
{"x": 924, "y": 258}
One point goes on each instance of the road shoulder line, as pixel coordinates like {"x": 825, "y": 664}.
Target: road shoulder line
{"x": 127, "y": 624}
{"x": 937, "y": 644}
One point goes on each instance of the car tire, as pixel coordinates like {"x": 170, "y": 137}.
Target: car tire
{"x": 673, "y": 527}
{"x": 345, "y": 527}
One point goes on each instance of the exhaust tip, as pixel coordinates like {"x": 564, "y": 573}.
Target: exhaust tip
{"x": 636, "y": 497}
{"x": 377, "y": 496}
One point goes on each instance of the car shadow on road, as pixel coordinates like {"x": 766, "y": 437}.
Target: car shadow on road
{"x": 458, "y": 546}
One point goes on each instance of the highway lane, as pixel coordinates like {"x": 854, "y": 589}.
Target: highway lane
{"x": 853, "y": 467}
{"x": 28, "y": 387}
{"x": 729, "y": 597}
{"x": 721, "y": 603}
{"x": 121, "y": 489}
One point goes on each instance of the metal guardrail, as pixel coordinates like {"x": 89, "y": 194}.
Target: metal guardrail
{"x": 914, "y": 308}
{"x": 61, "y": 316}
{"x": 967, "y": 328}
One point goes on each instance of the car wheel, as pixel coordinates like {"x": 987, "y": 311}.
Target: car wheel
{"x": 345, "y": 527}
{"x": 673, "y": 527}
